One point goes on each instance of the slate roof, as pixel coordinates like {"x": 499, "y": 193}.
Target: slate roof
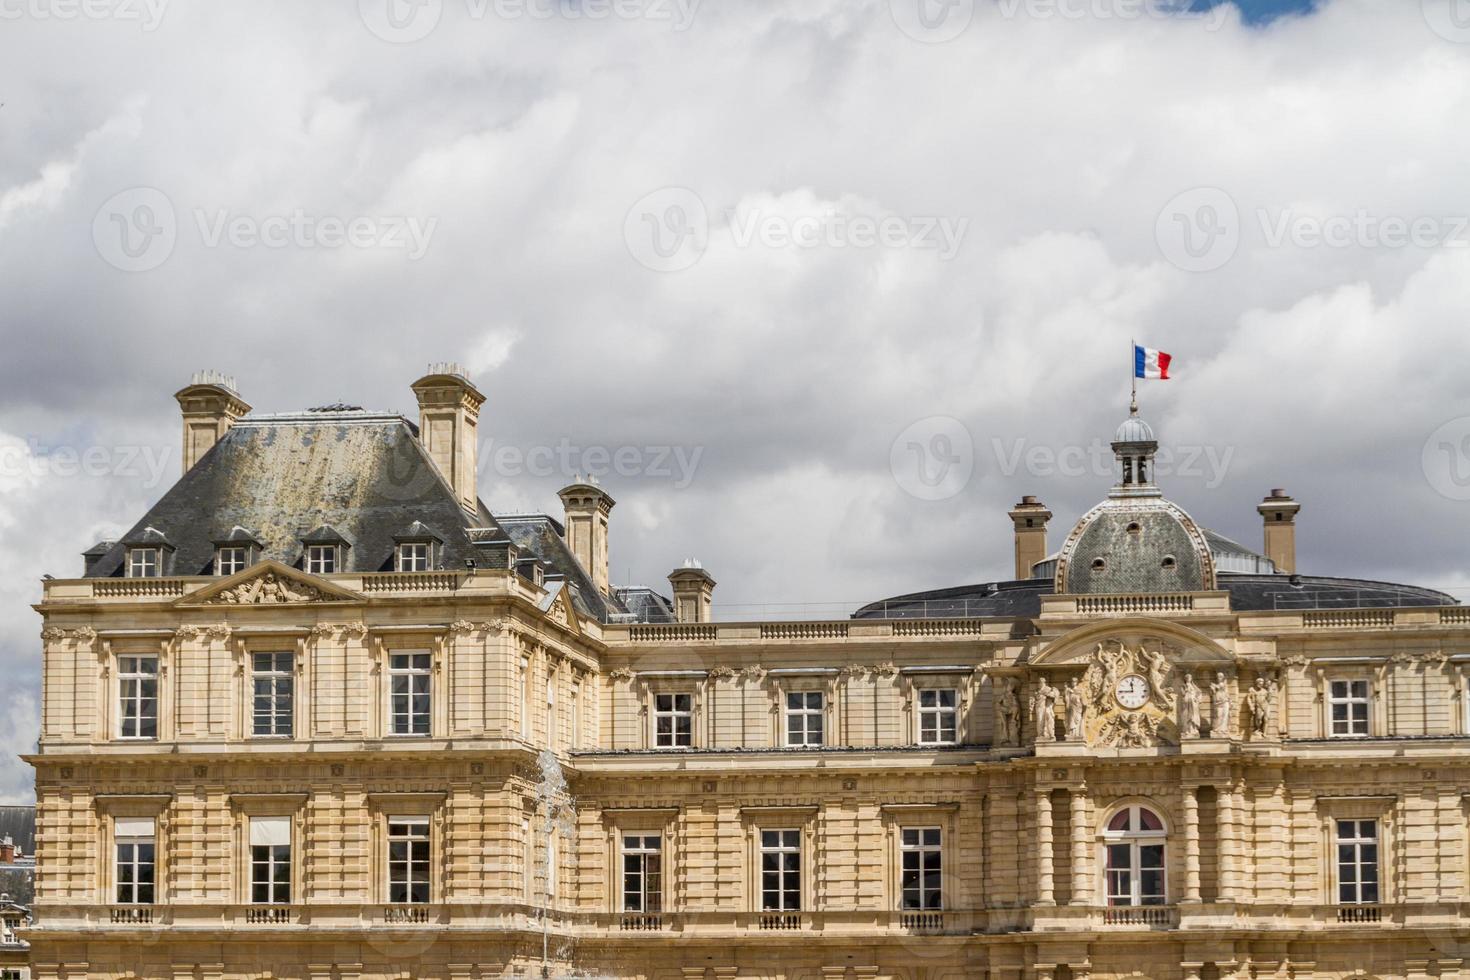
{"x": 1248, "y": 593}
{"x": 545, "y": 538}
{"x": 363, "y": 475}
{"x": 645, "y": 605}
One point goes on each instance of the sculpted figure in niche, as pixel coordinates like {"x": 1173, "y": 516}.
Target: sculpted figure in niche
{"x": 1220, "y": 703}
{"x": 1076, "y": 710}
{"x": 1189, "y": 699}
{"x": 1259, "y": 701}
{"x": 1045, "y": 712}
{"x": 1010, "y": 714}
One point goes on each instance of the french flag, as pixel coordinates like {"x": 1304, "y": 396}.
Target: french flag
{"x": 1150, "y": 363}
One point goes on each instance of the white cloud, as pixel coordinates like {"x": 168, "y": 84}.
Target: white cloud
{"x": 1058, "y": 141}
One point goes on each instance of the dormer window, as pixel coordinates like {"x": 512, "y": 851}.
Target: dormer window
{"x": 236, "y": 551}
{"x": 323, "y": 551}
{"x": 321, "y": 559}
{"x": 230, "y": 559}
{"x": 148, "y": 554}
{"x": 413, "y": 556}
{"x": 416, "y": 548}
{"x": 144, "y": 563}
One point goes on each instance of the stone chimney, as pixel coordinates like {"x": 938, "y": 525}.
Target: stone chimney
{"x": 210, "y": 406}
{"x": 1030, "y": 517}
{"x": 449, "y": 419}
{"x": 7, "y": 851}
{"x": 1279, "y": 512}
{"x": 694, "y": 592}
{"x": 587, "y": 506}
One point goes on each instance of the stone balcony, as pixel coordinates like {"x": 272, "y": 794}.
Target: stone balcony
{"x": 504, "y": 917}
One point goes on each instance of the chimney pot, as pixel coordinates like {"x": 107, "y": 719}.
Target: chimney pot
{"x": 587, "y": 507}
{"x": 1278, "y": 513}
{"x": 1029, "y": 517}
{"x": 449, "y": 419}
{"x": 210, "y": 405}
{"x": 694, "y": 592}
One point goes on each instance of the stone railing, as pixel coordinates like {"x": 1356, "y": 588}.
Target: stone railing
{"x": 804, "y": 631}
{"x": 1139, "y": 604}
{"x": 1347, "y": 618}
{"x": 268, "y": 915}
{"x": 139, "y": 588}
{"x": 842, "y": 629}
{"x": 412, "y": 583}
{"x": 509, "y": 917}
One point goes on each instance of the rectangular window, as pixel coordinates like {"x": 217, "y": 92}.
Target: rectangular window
{"x": 270, "y": 860}
{"x": 410, "y": 681}
{"x": 576, "y": 723}
{"x": 274, "y": 685}
{"x": 781, "y": 870}
{"x": 923, "y": 869}
{"x": 673, "y": 720}
{"x": 938, "y": 719}
{"x": 1348, "y": 703}
{"x": 804, "y": 718}
{"x": 137, "y": 689}
{"x": 136, "y": 859}
{"x": 643, "y": 881}
{"x": 525, "y": 705}
{"x": 228, "y": 561}
{"x": 413, "y": 557}
{"x": 321, "y": 559}
{"x": 143, "y": 563}
{"x": 551, "y": 710}
{"x": 1357, "y": 862}
{"x": 408, "y": 860}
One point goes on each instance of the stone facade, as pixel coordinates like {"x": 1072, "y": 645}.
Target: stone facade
{"x": 1149, "y": 785}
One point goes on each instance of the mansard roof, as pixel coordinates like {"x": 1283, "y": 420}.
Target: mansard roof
{"x": 546, "y": 539}
{"x": 350, "y": 474}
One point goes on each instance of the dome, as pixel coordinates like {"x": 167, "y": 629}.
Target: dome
{"x": 1129, "y": 545}
{"x": 1134, "y": 429}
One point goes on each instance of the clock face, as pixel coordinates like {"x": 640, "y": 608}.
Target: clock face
{"x": 1132, "y": 692}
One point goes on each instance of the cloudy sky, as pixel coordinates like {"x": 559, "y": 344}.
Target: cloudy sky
{"x": 833, "y": 281}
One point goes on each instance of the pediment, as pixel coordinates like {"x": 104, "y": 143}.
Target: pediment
{"x": 1183, "y": 646}
{"x": 269, "y": 583}
{"x": 558, "y": 608}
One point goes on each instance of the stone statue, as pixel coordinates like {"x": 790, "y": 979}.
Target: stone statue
{"x": 1046, "y": 712}
{"x": 1076, "y": 710}
{"x": 1273, "y": 690}
{"x": 1010, "y": 714}
{"x": 1189, "y": 708}
{"x": 1220, "y": 701}
{"x": 1158, "y": 669}
{"x": 1258, "y": 700}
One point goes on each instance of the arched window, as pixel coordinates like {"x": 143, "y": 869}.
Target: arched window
{"x": 1134, "y": 842}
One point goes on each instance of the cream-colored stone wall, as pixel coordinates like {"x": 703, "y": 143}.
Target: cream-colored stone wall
{"x": 1250, "y": 870}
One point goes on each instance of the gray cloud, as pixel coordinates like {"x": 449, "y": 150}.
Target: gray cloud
{"x": 526, "y": 140}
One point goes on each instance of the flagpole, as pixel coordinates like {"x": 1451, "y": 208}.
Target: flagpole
{"x": 1133, "y": 372}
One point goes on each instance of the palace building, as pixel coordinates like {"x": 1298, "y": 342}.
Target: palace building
{"x": 321, "y": 715}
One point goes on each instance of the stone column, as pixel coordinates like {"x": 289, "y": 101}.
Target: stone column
{"x": 1045, "y": 886}
{"x": 1191, "y": 847}
{"x": 1225, "y": 838}
{"x": 1081, "y": 849}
